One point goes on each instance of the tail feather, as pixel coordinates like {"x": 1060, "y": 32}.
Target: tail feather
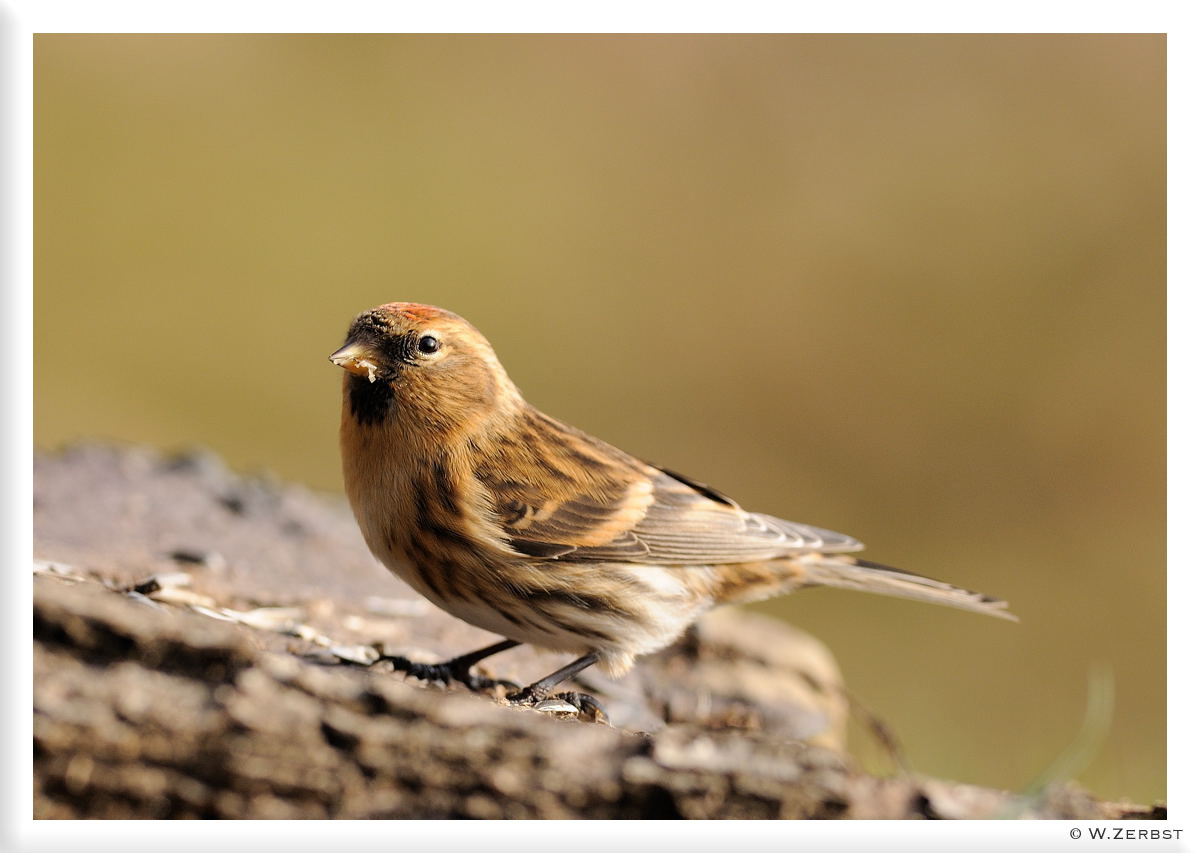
{"x": 746, "y": 582}
{"x": 846, "y": 572}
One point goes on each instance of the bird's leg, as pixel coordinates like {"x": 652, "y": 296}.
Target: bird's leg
{"x": 539, "y": 690}
{"x": 456, "y": 669}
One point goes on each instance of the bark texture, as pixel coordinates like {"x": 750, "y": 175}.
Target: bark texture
{"x": 205, "y": 645}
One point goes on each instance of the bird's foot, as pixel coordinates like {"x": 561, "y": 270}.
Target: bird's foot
{"x": 567, "y": 703}
{"x": 448, "y": 672}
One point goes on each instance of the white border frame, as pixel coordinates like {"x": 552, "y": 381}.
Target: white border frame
{"x": 19, "y": 831}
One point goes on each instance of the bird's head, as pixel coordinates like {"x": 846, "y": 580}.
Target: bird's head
{"x": 417, "y": 364}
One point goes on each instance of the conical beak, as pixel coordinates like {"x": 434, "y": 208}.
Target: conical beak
{"x": 356, "y": 359}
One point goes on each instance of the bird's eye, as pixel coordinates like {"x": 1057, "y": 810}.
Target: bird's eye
{"x": 429, "y": 344}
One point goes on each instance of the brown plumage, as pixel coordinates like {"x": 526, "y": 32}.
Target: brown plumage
{"x": 525, "y": 526}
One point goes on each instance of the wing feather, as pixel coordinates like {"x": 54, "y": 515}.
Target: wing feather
{"x": 586, "y": 500}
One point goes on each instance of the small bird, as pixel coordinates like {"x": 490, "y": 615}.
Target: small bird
{"x": 524, "y": 526}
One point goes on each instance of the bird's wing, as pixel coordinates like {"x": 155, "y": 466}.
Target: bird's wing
{"x": 586, "y": 500}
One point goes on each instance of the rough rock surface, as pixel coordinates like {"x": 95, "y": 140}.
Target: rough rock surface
{"x": 205, "y": 646}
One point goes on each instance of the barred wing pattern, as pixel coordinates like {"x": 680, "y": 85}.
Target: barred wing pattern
{"x": 602, "y": 504}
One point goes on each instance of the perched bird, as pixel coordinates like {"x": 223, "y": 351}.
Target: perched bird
{"x": 524, "y": 526}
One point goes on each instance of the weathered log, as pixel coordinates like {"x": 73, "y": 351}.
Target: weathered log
{"x": 203, "y": 647}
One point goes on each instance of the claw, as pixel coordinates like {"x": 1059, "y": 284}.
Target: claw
{"x": 589, "y": 709}
{"x": 483, "y": 683}
{"x": 437, "y": 673}
{"x": 445, "y": 673}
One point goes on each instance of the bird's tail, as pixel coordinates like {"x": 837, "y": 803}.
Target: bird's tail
{"x": 846, "y": 572}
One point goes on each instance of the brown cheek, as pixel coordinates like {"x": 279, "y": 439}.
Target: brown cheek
{"x": 449, "y": 394}
{"x": 470, "y": 385}
{"x": 487, "y": 386}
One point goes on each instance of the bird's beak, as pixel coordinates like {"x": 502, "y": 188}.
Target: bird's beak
{"x": 356, "y": 359}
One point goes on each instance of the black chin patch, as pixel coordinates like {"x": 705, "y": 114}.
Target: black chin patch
{"x": 370, "y": 402}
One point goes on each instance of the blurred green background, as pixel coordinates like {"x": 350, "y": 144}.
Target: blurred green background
{"x": 907, "y": 287}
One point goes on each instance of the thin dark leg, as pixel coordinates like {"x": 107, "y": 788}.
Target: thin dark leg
{"x": 456, "y": 669}
{"x": 540, "y": 690}
{"x": 469, "y": 660}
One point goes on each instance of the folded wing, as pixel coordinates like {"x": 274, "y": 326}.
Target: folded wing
{"x": 591, "y": 501}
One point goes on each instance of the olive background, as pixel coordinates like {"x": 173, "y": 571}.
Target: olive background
{"x": 907, "y": 287}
